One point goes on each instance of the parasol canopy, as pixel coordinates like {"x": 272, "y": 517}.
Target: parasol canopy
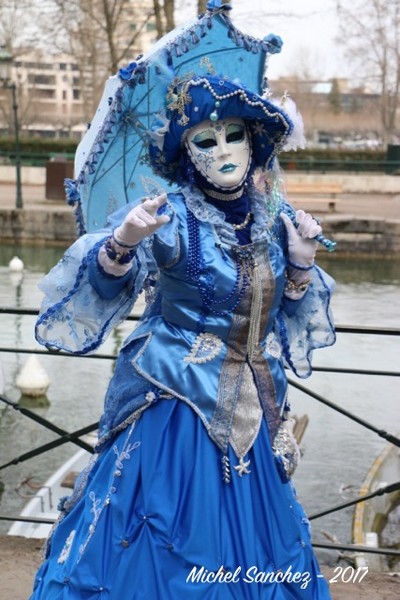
{"x": 111, "y": 165}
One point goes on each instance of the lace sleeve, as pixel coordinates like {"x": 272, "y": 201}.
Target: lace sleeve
{"x": 73, "y": 316}
{"x": 306, "y": 324}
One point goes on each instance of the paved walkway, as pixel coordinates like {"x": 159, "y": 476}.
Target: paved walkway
{"x": 33, "y": 196}
{"x": 20, "y": 557}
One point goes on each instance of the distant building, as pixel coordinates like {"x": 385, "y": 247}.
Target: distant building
{"x": 56, "y": 96}
{"x": 332, "y": 110}
{"x": 50, "y": 94}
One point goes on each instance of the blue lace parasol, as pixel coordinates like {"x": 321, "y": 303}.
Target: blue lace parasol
{"x": 111, "y": 164}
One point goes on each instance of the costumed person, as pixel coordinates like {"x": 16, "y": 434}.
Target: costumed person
{"x": 189, "y": 492}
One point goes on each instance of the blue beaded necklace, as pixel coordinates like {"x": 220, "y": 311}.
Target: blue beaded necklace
{"x": 196, "y": 267}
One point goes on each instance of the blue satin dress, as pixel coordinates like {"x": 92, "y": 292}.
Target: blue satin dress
{"x": 185, "y": 497}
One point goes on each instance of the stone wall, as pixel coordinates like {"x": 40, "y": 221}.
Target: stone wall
{"x": 37, "y": 226}
{"x": 357, "y": 235}
{"x": 353, "y": 235}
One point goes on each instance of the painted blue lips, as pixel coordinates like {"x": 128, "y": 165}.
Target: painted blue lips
{"x": 228, "y": 168}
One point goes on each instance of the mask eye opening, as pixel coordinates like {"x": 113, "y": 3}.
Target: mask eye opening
{"x": 235, "y": 133}
{"x": 204, "y": 140}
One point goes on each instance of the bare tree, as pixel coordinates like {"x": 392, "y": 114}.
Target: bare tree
{"x": 16, "y": 32}
{"x": 16, "y": 24}
{"x": 370, "y": 34}
{"x": 169, "y": 14}
{"x": 335, "y": 97}
{"x": 164, "y": 15}
{"x": 101, "y": 35}
{"x": 201, "y": 6}
{"x": 165, "y": 10}
{"x": 158, "y": 15}
{"x": 113, "y": 23}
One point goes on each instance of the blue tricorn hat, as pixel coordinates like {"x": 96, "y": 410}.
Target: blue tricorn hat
{"x": 200, "y": 98}
{"x": 134, "y": 140}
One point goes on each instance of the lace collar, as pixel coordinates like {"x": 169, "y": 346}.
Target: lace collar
{"x": 264, "y": 215}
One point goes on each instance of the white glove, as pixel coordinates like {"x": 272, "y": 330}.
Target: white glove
{"x": 141, "y": 222}
{"x": 301, "y": 247}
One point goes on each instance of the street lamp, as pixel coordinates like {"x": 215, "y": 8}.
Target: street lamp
{"x": 5, "y": 68}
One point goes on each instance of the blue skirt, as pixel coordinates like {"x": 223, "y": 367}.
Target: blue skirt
{"x": 157, "y": 522}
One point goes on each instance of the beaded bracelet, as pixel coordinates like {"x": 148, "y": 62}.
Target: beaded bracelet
{"x": 292, "y": 286}
{"x": 130, "y": 246}
{"x": 122, "y": 258}
{"x": 300, "y": 267}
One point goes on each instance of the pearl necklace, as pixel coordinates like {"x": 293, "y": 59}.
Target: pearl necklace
{"x": 243, "y": 224}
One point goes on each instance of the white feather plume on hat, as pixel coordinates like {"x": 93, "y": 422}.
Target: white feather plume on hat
{"x": 297, "y": 138}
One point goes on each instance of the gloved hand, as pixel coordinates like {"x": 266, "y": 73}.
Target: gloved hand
{"x": 141, "y": 222}
{"x": 301, "y": 247}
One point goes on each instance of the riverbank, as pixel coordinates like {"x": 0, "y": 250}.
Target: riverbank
{"x": 363, "y": 223}
{"x": 20, "y": 557}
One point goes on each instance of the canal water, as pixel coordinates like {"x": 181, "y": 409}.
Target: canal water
{"x": 337, "y": 451}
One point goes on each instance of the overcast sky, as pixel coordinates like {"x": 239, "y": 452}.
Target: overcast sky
{"x": 308, "y": 29}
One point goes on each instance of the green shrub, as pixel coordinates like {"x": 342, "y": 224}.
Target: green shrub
{"x": 38, "y": 146}
{"x": 323, "y": 160}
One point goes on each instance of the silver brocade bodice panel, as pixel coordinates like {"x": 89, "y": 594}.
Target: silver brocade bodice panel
{"x": 246, "y": 388}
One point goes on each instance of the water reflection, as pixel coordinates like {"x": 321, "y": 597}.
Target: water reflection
{"x": 349, "y": 270}
{"x": 338, "y": 452}
{"x": 343, "y": 269}
{"x": 35, "y": 258}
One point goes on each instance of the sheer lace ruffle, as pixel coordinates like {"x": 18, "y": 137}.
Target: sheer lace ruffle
{"x": 73, "y": 316}
{"x": 306, "y": 324}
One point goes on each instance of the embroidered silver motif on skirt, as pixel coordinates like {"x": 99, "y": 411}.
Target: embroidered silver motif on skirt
{"x": 66, "y": 548}
{"x": 285, "y": 447}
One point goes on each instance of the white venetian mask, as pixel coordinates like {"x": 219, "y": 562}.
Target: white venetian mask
{"x": 220, "y": 151}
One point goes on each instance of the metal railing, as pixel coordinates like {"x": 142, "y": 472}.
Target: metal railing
{"x": 74, "y": 437}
